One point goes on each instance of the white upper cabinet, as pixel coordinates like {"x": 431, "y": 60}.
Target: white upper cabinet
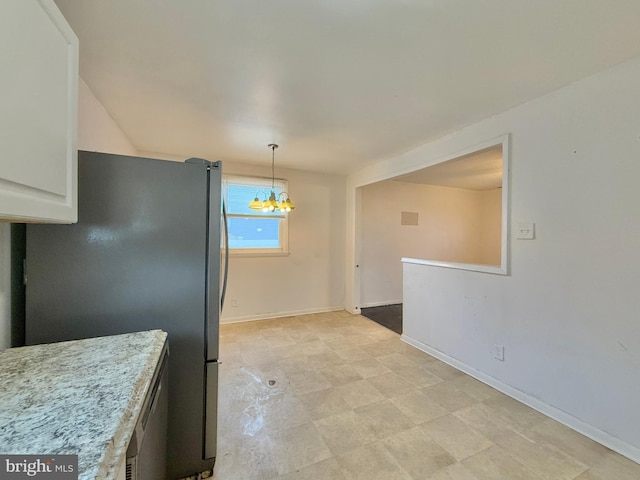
{"x": 38, "y": 113}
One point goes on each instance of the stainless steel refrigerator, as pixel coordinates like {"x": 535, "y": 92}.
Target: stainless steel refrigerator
{"x": 145, "y": 254}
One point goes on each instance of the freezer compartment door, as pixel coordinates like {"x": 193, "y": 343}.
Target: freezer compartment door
{"x": 211, "y": 411}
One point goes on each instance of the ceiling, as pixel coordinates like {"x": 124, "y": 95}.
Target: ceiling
{"x": 480, "y": 170}
{"x": 337, "y": 83}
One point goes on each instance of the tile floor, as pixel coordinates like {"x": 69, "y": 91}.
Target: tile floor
{"x": 336, "y": 396}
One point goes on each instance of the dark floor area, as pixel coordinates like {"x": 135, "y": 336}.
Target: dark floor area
{"x": 389, "y": 316}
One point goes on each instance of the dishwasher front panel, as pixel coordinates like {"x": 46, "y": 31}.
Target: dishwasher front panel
{"x": 147, "y": 459}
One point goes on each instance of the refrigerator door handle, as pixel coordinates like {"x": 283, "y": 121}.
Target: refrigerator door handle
{"x": 226, "y": 255}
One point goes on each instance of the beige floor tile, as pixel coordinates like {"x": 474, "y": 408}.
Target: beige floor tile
{"x": 516, "y": 412}
{"x": 336, "y": 343}
{"x": 274, "y": 332}
{"x": 496, "y": 464}
{"x": 341, "y": 374}
{"x": 457, "y": 471}
{"x": 227, "y": 337}
{"x": 442, "y": 370}
{"x": 358, "y": 394}
{"x": 294, "y": 364}
{"x": 418, "y": 408}
{"x": 369, "y": 367}
{"x": 418, "y": 356}
{"x": 257, "y": 356}
{"x": 486, "y": 421}
{"x": 612, "y": 467}
{"x": 385, "y": 334}
{"x": 252, "y": 338}
{"x": 284, "y": 411}
{"x": 304, "y": 336}
{"x": 346, "y": 328}
{"x": 344, "y": 432}
{"x": 246, "y": 460}
{"x": 568, "y": 441}
{"x": 308, "y": 381}
{"x": 352, "y": 354}
{"x": 474, "y": 388}
{"x": 325, "y": 470}
{"x": 328, "y": 359}
{"x": 548, "y": 463}
{"x": 361, "y": 339}
{"x": 396, "y": 360}
{"x": 296, "y": 448}
{"x": 416, "y": 453}
{"x": 281, "y": 341}
{"x": 417, "y": 375}
{"x": 371, "y": 462}
{"x": 382, "y": 419}
{"x": 290, "y": 351}
{"x": 390, "y": 384}
{"x": 281, "y": 418}
{"x": 447, "y": 395}
{"x": 380, "y": 348}
{"x": 456, "y": 437}
{"x": 228, "y": 341}
{"x": 312, "y": 348}
{"x": 324, "y": 403}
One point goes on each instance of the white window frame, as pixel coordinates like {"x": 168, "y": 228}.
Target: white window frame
{"x": 263, "y": 187}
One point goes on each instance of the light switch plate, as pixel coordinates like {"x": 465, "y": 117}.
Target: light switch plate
{"x": 525, "y": 231}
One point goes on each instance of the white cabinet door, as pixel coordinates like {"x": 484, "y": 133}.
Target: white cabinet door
{"x": 38, "y": 113}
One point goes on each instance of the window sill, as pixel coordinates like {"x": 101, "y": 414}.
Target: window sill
{"x": 253, "y": 253}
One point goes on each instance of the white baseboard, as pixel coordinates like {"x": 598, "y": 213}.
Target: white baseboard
{"x": 617, "y": 445}
{"x": 291, "y": 313}
{"x": 380, "y": 304}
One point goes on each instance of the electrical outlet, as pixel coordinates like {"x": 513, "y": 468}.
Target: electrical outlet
{"x": 234, "y": 302}
{"x": 498, "y": 352}
{"x": 526, "y": 231}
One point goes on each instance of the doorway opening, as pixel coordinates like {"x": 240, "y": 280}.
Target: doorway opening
{"x": 450, "y": 214}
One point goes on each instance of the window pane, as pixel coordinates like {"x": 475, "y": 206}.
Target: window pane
{"x": 239, "y": 196}
{"x": 254, "y": 232}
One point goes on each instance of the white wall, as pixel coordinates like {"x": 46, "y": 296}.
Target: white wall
{"x": 97, "y": 131}
{"x": 567, "y": 314}
{"x": 311, "y": 278}
{"x": 454, "y": 225}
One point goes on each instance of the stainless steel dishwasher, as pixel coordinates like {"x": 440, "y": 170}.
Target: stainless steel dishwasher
{"x": 146, "y": 455}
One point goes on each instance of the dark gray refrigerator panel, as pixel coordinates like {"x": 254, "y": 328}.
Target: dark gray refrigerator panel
{"x": 139, "y": 258}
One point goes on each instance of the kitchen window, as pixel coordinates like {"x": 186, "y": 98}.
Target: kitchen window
{"x": 252, "y": 232}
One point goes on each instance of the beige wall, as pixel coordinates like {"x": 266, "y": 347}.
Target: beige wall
{"x": 490, "y": 227}
{"x": 455, "y": 225}
{"x": 311, "y": 278}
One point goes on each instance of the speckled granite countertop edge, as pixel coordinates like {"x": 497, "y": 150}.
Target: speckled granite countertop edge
{"x": 80, "y": 397}
{"x": 114, "y": 456}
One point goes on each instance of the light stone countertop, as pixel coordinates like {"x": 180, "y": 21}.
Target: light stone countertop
{"x": 80, "y": 397}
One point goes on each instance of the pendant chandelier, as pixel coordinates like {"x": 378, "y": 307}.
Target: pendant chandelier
{"x": 273, "y": 203}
